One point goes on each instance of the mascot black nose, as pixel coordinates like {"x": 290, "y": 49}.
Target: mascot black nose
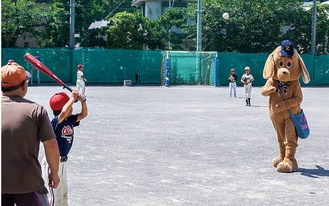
{"x": 284, "y": 72}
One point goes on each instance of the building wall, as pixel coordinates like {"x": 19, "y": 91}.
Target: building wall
{"x": 26, "y": 41}
{"x": 152, "y": 10}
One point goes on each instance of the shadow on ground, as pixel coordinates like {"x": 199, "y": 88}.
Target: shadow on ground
{"x": 314, "y": 173}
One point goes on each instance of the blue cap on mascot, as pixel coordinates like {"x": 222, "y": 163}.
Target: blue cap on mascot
{"x": 287, "y": 48}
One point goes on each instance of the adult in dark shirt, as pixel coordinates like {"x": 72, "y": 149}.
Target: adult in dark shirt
{"x": 24, "y": 124}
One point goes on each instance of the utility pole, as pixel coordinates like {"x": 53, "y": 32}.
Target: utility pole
{"x": 72, "y": 32}
{"x": 313, "y": 42}
{"x": 169, "y": 47}
{"x": 72, "y": 23}
{"x": 199, "y": 27}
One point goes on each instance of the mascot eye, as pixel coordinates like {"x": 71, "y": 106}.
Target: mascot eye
{"x": 289, "y": 65}
{"x": 281, "y": 64}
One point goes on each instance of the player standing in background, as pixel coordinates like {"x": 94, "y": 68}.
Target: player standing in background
{"x": 81, "y": 80}
{"x": 63, "y": 124}
{"x": 232, "y": 78}
{"x": 247, "y": 79}
{"x": 24, "y": 124}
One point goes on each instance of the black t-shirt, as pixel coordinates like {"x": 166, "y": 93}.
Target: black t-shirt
{"x": 234, "y": 78}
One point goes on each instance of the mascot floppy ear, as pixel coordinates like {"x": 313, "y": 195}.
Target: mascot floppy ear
{"x": 305, "y": 75}
{"x": 268, "y": 71}
{"x": 269, "y": 67}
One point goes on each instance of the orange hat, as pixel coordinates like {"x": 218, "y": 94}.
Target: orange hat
{"x": 58, "y": 101}
{"x": 13, "y": 74}
{"x": 79, "y": 66}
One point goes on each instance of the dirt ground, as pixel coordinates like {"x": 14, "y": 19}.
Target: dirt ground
{"x": 157, "y": 146}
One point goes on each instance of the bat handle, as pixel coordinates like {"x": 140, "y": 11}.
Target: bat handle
{"x": 67, "y": 87}
{"x": 71, "y": 90}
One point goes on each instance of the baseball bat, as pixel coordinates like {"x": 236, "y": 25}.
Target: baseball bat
{"x": 41, "y": 67}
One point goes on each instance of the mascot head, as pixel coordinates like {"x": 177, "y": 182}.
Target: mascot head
{"x": 285, "y": 64}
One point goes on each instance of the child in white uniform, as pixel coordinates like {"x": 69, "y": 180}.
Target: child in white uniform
{"x": 81, "y": 80}
{"x": 247, "y": 79}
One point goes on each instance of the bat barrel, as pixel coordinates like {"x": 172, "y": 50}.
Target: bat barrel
{"x": 37, "y": 64}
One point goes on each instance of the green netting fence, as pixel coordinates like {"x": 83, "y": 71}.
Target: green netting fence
{"x": 115, "y": 66}
{"x": 57, "y": 60}
{"x": 101, "y": 66}
{"x": 189, "y": 68}
{"x": 107, "y": 66}
{"x": 318, "y": 67}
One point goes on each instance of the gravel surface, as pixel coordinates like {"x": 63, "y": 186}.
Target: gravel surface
{"x": 189, "y": 145}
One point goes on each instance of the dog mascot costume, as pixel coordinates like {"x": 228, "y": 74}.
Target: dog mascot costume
{"x": 282, "y": 70}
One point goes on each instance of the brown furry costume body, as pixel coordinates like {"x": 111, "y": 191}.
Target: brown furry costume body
{"x": 283, "y": 74}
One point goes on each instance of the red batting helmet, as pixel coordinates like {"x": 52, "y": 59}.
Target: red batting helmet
{"x": 58, "y": 101}
{"x": 79, "y": 66}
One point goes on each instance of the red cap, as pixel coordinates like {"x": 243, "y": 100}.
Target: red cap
{"x": 232, "y": 70}
{"x": 58, "y": 101}
{"x": 79, "y": 66}
{"x": 13, "y": 74}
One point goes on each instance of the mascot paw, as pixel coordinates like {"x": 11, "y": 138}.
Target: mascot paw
{"x": 271, "y": 90}
{"x": 286, "y": 167}
{"x": 276, "y": 161}
{"x": 266, "y": 91}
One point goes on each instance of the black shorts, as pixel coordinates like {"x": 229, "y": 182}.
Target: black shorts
{"x": 37, "y": 198}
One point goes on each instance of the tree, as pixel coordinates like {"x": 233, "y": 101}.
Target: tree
{"x": 127, "y": 31}
{"x": 16, "y": 20}
{"x": 256, "y": 26}
{"x": 25, "y": 18}
{"x": 173, "y": 17}
{"x": 88, "y": 11}
{"x": 301, "y": 27}
{"x": 253, "y": 26}
{"x": 133, "y": 31}
{"x": 323, "y": 29}
{"x": 48, "y": 22}
{"x": 155, "y": 35}
{"x": 53, "y": 30}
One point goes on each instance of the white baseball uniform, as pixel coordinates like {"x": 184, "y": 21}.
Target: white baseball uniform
{"x": 58, "y": 196}
{"x": 80, "y": 82}
{"x": 247, "y": 87}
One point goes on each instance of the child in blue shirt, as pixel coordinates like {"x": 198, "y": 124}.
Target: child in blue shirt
{"x": 63, "y": 125}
